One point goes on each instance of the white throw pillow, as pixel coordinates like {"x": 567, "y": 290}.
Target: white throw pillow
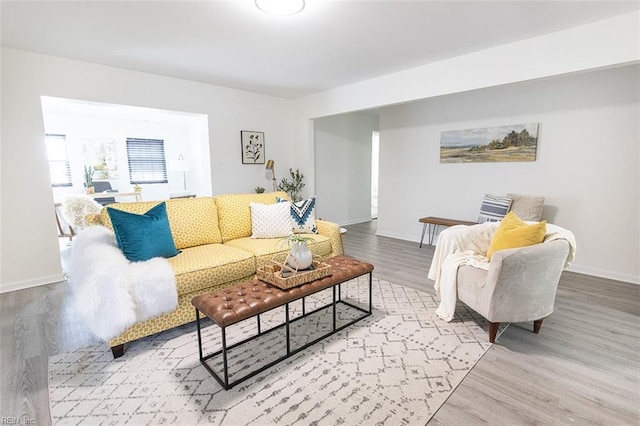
{"x": 271, "y": 220}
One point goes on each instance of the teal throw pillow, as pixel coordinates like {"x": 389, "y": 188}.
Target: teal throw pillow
{"x": 143, "y": 236}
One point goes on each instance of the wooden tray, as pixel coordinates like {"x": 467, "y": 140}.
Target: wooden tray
{"x": 273, "y": 274}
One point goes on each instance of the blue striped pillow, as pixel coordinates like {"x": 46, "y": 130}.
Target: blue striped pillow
{"x": 493, "y": 208}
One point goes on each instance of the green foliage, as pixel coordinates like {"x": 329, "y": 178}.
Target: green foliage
{"x": 88, "y": 176}
{"x": 294, "y": 185}
{"x": 259, "y": 190}
{"x": 297, "y": 238}
{"x": 513, "y": 139}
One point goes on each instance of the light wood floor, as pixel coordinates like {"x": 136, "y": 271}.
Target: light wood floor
{"x": 583, "y": 367}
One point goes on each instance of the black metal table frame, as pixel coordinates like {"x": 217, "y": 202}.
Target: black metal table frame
{"x": 224, "y": 381}
{"x": 432, "y": 233}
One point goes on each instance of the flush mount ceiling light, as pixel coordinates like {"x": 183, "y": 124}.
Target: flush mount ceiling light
{"x": 280, "y": 7}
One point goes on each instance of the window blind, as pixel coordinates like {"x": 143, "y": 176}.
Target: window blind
{"x": 58, "y": 155}
{"x": 146, "y": 159}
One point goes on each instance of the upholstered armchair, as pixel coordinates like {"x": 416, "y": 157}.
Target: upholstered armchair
{"x": 507, "y": 271}
{"x": 520, "y": 284}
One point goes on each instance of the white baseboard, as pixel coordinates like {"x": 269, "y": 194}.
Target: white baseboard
{"x": 604, "y": 274}
{"x": 413, "y": 238}
{"x": 21, "y": 285}
{"x": 355, "y": 221}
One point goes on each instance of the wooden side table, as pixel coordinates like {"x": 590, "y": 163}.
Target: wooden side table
{"x": 433, "y": 222}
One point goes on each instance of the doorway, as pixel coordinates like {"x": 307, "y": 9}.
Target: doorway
{"x": 98, "y": 143}
{"x": 375, "y": 160}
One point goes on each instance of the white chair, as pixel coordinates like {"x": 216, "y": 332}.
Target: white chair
{"x": 519, "y": 286}
{"x": 75, "y": 207}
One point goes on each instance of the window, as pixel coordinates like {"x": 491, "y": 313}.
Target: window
{"x": 59, "y": 167}
{"x": 146, "y": 161}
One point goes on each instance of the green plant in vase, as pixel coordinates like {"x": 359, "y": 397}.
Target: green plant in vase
{"x": 88, "y": 179}
{"x": 294, "y": 185}
{"x": 300, "y": 256}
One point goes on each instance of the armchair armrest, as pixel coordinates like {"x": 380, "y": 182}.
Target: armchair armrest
{"x": 332, "y": 231}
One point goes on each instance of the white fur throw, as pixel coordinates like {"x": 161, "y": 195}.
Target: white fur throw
{"x": 110, "y": 293}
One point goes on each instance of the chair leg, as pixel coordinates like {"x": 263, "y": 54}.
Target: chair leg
{"x": 536, "y": 325}
{"x": 117, "y": 351}
{"x": 493, "y": 331}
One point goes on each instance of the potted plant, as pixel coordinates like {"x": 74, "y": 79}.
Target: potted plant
{"x": 300, "y": 256}
{"x": 259, "y": 190}
{"x": 88, "y": 179}
{"x": 293, "y": 186}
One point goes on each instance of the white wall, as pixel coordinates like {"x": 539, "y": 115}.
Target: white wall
{"x": 29, "y": 247}
{"x": 587, "y": 162}
{"x": 599, "y": 44}
{"x": 342, "y": 146}
{"x": 591, "y": 47}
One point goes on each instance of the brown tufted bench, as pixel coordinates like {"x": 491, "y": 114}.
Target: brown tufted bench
{"x": 232, "y": 305}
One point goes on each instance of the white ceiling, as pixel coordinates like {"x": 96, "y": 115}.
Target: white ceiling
{"x": 330, "y": 44}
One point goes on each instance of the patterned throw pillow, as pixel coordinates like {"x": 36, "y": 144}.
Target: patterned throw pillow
{"x": 493, "y": 208}
{"x": 303, "y": 215}
{"x": 270, "y": 220}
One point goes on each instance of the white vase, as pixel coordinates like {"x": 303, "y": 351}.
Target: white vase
{"x": 300, "y": 257}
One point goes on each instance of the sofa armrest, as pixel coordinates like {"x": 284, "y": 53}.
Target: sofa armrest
{"x": 332, "y": 231}
{"x": 522, "y": 282}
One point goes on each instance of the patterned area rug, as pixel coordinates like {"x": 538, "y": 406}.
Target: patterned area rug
{"x": 397, "y": 366}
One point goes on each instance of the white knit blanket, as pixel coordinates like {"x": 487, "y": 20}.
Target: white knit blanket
{"x": 110, "y": 293}
{"x": 467, "y": 245}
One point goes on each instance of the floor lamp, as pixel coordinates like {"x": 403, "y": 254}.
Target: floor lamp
{"x": 271, "y": 166}
{"x": 180, "y": 165}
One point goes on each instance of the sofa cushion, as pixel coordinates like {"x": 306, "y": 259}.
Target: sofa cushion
{"x": 200, "y": 267}
{"x": 143, "y": 236}
{"x": 493, "y": 208}
{"x": 234, "y": 213}
{"x": 514, "y": 232}
{"x": 193, "y": 221}
{"x": 270, "y": 220}
{"x": 265, "y": 249}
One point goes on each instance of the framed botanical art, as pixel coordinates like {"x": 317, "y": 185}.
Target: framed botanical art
{"x": 252, "y": 147}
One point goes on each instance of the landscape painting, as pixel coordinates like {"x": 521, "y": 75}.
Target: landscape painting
{"x": 490, "y": 144}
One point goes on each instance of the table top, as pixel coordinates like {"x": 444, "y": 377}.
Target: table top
{"x": 115, "y": 194}
{"x": 444, "y": 221}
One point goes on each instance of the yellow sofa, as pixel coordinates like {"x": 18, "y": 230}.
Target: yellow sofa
{"x": 213, "y": 235}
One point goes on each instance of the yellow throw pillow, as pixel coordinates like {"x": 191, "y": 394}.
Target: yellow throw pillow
{"x": 514, "y": 232}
